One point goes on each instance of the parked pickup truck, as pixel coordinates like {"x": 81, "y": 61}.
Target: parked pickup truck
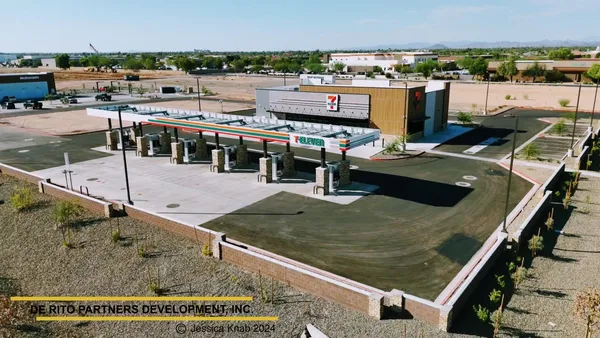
{"x": 68, "y": 100}
{"x": 32, "y": 104}
{"x": 103, "y": 97}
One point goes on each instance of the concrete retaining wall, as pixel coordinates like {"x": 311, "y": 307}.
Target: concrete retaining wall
{"x": 187, "y": 230}
{"x": 19, "y": 174}
{"x": 458, "y": 291}
{"x": 582, "y": 158}
{"x": 535, "y": 217}
{"x": 92, "y": 204}
{"x": 299, "y": 278}
{"x": 550, "y": 184}
{"x": 422, "y": 309}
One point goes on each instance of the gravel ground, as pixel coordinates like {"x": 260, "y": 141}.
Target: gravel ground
{"x": 32, "y": 262}
{"x": 543, "y": 305}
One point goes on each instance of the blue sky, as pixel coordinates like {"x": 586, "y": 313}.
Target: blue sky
{"x": 232, "y": 25}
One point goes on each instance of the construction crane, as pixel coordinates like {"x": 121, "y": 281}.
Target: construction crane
{"x": 94, "y": 49}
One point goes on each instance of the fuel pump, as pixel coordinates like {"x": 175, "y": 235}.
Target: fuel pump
{"x": 125, "y": 136}
{"x": 334, "y": 175}
{"x": 229, "y": 157}
{"x": 189, "y": 150}
{"x": 153, "y": 144}
{"x": 277, "y": 163}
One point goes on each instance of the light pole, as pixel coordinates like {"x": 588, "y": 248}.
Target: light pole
{"x": 221, "y": 102}
{"x": 512, "y": 157}
{"x": 198, "y": 85}
{"x": 575, "y": 120}
{"x": 124, "y": 158}
{"x": 594, "y": 107}
{"x": 487, "y": 92}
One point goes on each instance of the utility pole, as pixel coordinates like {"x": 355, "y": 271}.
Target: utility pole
{"x": 594, "y": 107}
{"x": 487, "y": 92}
{"x": 575, "y": 120}
{"x": 198, "y": 85}
{"x": 124, "y": 158}
{"x": 512, "y": 157}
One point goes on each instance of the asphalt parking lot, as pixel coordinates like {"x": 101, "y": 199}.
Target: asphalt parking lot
{"x": 430, "y": 215}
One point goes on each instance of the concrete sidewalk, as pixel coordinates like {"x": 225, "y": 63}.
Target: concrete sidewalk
{"x": 189, "y": 193}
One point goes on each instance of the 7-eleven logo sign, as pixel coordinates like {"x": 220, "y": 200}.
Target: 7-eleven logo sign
{"x": 332, "y": 102}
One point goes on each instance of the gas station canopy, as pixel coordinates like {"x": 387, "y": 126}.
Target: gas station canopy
{"x": 298, "y": 134}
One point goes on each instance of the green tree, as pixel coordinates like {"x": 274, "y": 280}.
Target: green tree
{"x": 594, "y": 73}
{"x": 535, "y": 70}
{"x": 314, "y": 58}
{"x": 508, "y": 69}
{"x": 257, "y": 68}
{"x": 74, "y": 63}
{"x": 403, "y": 69}
{"x": 561, "y": 54}
{"x": 479, "y": 67}
{"x": 338, "y": 67}
{"x": 184, "y": 63}
{"x": 238, "y": 65}
{"x": 62, "y": 61}
{"x": 377, "y": 69}
{"x": 133, "y": 63}
{"x": 315, "y": 68}
{"x": 426, "y": 68}
{"x": 150, "y": 63}
{"x": 465, "y": 63}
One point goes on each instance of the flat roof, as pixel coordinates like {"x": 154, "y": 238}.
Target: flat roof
{"x": 297, "y": 133}
{"x": 25, "y": 74}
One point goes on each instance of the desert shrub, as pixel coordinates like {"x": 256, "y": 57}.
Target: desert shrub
{"x": 507, "y": 97}
{"x": 531, "y": 151}
{"x": 496, "y": 317}
{"x": 206, "y": 251}
{"x": 536, "y": 244}
{"x": 389, "y": 76}
{"x": 464, "y": 118}
{"x": 560, "y": 127}
{"x": 483, "y": 314}
{"x": 391, "y": 147}
{"x": 525, "y": 96}
{"x": 564, "y": 102}
{"x": 116, "y": 236}
{"x": 495, "y": 296}
{"x": 205, "y": 91}
{"x": 22, "y": 199}
{"x": 66, "y": 212}
{"x": 587, "y": 307}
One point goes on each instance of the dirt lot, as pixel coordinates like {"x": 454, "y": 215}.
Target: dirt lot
{"x": 77, "y": 121}
{"x": 464, "y": 96}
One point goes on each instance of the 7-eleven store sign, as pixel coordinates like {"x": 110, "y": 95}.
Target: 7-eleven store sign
{"x": 332, "y": 102}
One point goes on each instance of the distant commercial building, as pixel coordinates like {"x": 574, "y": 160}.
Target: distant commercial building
{"x": 360, "y": 62}
{"x": 27, "y": 86}
{"x": 367, "y": 104}
{"x": 587, "y": 54}
{"x": 574, "y": 70}
{"x": 49, "y": 63}
{"x": 5, "y": 58}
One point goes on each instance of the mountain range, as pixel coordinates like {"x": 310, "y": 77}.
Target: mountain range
{"x": 593, "y": 41}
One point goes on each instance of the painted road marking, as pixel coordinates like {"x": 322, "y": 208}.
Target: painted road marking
{"x": 24, "y": 151}
{"x": 481, "y": 146}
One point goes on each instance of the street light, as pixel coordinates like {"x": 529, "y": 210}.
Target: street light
{"x": 594, "y": 107}
{"x": 221, "y": 102}
{"x": 575, "y": 120}
{"x": 487, "y": 92}
{"x": 512, "y": 157}
{"x": 198, "y": 85}
{"x": 124, "y": 158}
